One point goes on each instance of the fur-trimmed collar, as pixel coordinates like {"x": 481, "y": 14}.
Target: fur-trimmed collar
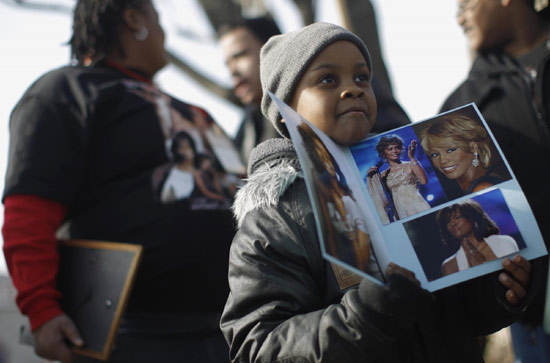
{"x": 273, "y": 168}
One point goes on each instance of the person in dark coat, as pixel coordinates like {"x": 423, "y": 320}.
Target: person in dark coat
{"x": 509, "y": 81}
{"x": 287, "y": 302}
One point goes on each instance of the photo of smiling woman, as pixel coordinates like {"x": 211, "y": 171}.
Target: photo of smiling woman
{"x": 395, "y": 190}
{"x": 467, "y": 224}
{"x": 463, "y": 153}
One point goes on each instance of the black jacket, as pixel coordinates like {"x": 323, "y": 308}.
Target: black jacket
{"x": 285, "y": 303}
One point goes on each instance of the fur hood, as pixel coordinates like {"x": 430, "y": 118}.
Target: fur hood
{"x": 273, "y": 167}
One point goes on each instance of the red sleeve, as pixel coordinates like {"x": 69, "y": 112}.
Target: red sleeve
{"x": 30, "y": 249}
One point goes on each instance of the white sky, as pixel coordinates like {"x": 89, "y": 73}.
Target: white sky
{"x": 424, "y": 49}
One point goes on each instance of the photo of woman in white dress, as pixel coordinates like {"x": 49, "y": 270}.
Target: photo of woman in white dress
{"x": 395, "y": 190}
{"x": 467, "y": 224}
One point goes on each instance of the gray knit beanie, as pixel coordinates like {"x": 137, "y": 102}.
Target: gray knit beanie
{"x": 284, "y": 59}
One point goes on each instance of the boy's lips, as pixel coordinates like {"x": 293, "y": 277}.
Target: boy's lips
{"x": 354, "y": 109}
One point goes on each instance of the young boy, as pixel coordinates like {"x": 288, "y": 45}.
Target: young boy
{"x": 286, "y": 303}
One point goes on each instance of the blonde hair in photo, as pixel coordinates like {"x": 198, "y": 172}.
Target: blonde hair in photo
{"x": 462, "y": 130}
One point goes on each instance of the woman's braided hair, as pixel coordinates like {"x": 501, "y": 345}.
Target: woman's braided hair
{"x": 96, "y": 26}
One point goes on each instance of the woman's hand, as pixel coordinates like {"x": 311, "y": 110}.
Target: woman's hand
{"x": 53, "y": 339}
{"x": 473, "y": 255}
{"x": 416, "y": 167}
{"x": 412, "y": 150}
{"x": 373, "y": 170}
{"x": 516, "y": 278}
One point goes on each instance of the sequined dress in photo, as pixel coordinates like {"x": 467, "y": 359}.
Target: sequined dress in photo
{"x": 403, "y": 185}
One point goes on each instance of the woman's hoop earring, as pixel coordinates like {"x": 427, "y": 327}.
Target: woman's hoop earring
{"x": 475, "y": 161}
{"x": 141, "y": 34}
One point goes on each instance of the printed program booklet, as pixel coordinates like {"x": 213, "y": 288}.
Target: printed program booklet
{"x": 429, "y": 215}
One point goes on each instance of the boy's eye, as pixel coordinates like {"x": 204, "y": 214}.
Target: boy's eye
{"x": 362, "y": 78}
{"x": 328, "y": 78}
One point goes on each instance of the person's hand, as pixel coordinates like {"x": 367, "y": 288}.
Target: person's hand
{"x": 396, "y": 269}
{"x": 516, "y": 278}
{"x": 372, "y": 170}
{"x": 473, "y": 255}
{"x": 412, "y": 150}
{"x": 52, "y": 339}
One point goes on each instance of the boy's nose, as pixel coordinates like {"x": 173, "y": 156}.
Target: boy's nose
{"x": 351, "y": 93}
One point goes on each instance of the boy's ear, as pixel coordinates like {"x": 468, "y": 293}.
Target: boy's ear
{"x": 282, "y": 120}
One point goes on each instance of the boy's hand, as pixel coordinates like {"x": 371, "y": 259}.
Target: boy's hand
{"x": 516, "y": 278}
{"x": 396, "y": 269}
